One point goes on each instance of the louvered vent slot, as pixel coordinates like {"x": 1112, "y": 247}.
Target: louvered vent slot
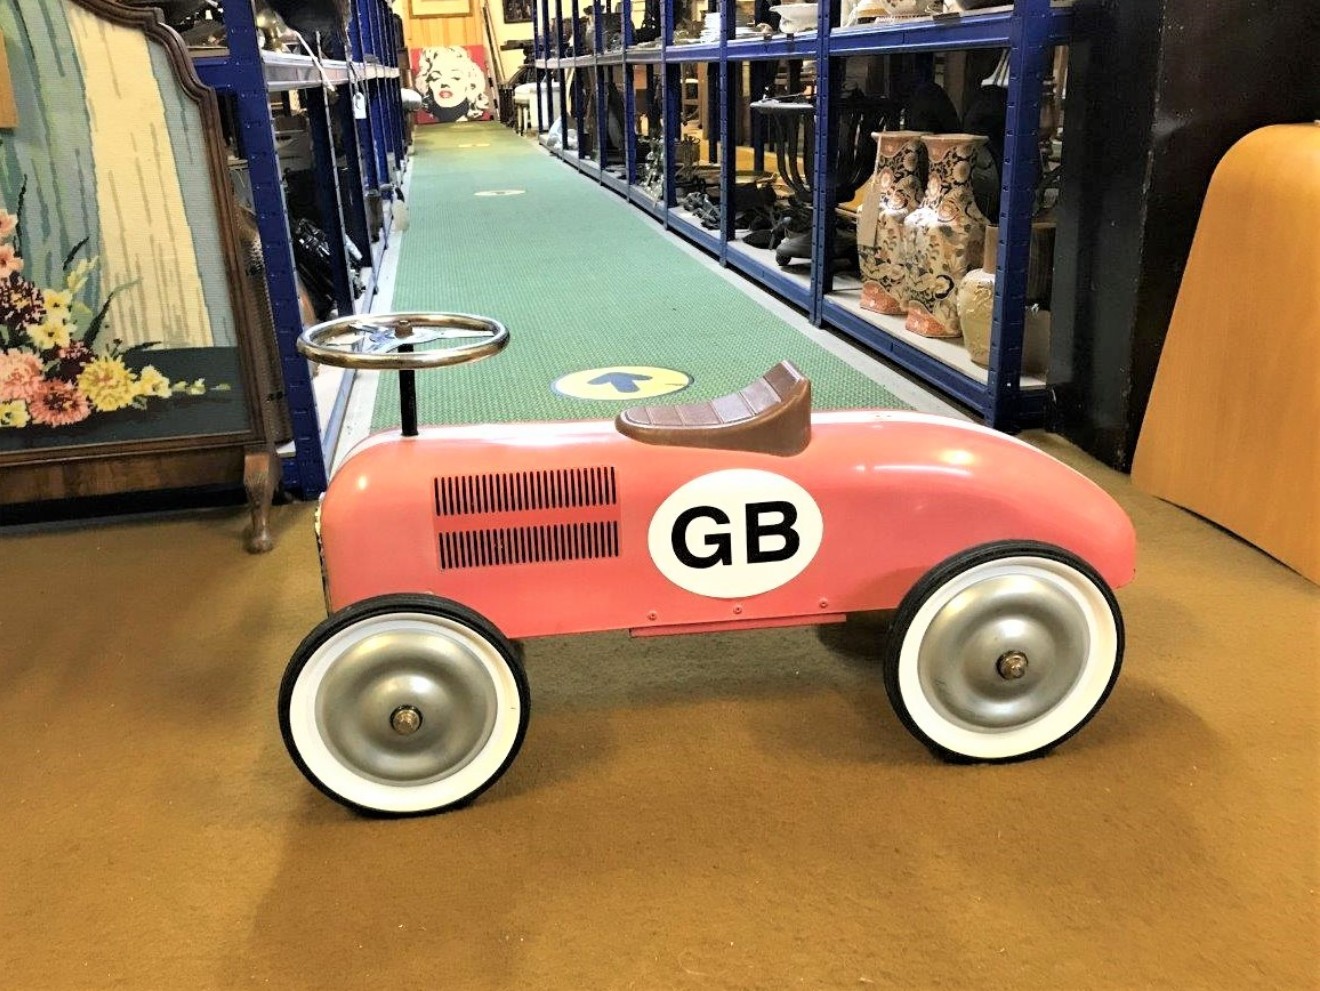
{"x": 514, "y": 492}
{"x": 529, "y": 544}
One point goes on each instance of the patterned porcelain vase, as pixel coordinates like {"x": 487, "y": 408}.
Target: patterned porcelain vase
{"x": 894, "y": 193}
{"x": 944, "y": 236}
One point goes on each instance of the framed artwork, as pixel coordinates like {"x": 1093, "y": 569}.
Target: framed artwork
{"x": 441, "y": 8}
{"x": 519, "y": 11}
{"x": 453, "y": 84}
{"x": 127, "y": 349}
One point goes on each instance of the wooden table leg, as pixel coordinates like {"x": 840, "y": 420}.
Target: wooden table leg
{"x": 260, "y": 472}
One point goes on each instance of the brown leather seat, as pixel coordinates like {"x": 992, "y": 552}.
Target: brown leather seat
{"x": 770, "y": 416}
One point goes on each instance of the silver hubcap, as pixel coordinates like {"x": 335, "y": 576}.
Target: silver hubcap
{"x": 1003, "y": 651}
{"x": 408, "y": 706}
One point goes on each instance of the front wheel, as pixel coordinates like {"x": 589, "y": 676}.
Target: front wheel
{"x": 1003, "y": 652}
{"x": 404, "y": 705}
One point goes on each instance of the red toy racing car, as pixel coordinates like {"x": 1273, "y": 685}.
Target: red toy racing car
{"x": 443, "y": 548}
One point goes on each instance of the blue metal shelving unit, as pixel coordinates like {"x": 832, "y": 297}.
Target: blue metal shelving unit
{"x": 1029, "y": 29}
{"x": 249, "y": 75}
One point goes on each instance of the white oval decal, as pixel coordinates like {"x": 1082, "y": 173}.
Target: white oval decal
{"x": 735, "y": 533}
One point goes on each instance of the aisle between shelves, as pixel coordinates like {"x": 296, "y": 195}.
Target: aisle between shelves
{"x": 362, "y": 95}
{"x": 586, "y": 63}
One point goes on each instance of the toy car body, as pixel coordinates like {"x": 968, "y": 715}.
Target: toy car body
{"x": 441, "y": 549}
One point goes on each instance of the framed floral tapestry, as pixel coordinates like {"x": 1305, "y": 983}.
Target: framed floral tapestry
{"x": 124, "y": 337}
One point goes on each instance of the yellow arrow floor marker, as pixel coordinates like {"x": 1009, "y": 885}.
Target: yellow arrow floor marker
{"x": 622, "y": 383}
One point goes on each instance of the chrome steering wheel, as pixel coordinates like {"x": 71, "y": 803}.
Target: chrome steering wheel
{"x": 385, "y": 342}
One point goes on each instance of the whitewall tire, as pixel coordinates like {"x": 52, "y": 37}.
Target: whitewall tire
{"x": 404, "y": 705}
{"x": 1003, "y": 652}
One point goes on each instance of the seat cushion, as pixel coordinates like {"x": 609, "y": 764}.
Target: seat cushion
{"x": 770, "y": 416}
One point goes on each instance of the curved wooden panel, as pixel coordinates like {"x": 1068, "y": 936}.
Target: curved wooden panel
{"x": 1231, "y": 431}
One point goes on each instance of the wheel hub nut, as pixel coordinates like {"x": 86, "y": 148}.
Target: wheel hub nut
{"x": 1012, "y": 665}
{"x": 406, "y": 720}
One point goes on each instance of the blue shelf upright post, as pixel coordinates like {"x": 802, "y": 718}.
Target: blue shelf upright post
{"x": 672, "y": 121}
{"x": 579, "y": 89}
{"x": 1030, "y": 34}
{"x": 824, "y": 224}
{"x": 390, "y": 57}
{"x": 362, "y": 129}
{"x": 728, "y": 97}
{"x": 562, "y": 76}
{"x": 401, "y": 58}
{"x": 546, "y": 80}
{"x": 391, "y": 45}
{"x": 306, "y": 472}
{"x": 629, "y": 97}
{"x": 538, "y": 55}
{"x": 598, "y": 80}
{"x": 379, "y": 89}
{"x": 375, "y": 98}
{"x": 379, "y": 123}
{"x": 380, "y": 49}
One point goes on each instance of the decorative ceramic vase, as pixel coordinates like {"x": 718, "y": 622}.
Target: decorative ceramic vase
{"x": 976, "y": 310}
{"x": 906, "y": 8}
{"x": 894, "y": 193}
{"x": 976, "y": 306}
{"x": 943, "y": 237}
{"x": 976, "y": 302}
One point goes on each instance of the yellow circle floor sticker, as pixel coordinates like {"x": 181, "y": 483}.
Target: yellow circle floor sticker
{"x": 622, "y": 383}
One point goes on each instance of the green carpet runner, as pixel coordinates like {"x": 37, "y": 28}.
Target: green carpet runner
{"x": 583, "y": 280}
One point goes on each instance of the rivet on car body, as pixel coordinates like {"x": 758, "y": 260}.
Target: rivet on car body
{"x": 651, "y": 615}
{"x": 406, "y": 720}
{"x": 737, "y": 610}
{"x": 1012, "y": 665}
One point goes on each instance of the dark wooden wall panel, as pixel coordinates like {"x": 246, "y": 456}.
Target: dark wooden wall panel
{"x": 1159, "y": 90}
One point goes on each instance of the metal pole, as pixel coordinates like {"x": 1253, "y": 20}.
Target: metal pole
{"x": 728, "y": 110}
{"x": 257, "y": 139}
{"x": 602, "y": 112}
{"x": 629, "y": 99}
{"x": 823, "y": 222}
{"x": 1029, "y": 33}
{"x": 407, "y": 397}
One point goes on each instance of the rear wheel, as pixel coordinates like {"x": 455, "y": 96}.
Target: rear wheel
{"x": 404, "y": 705}
{"x": 1003, "y": 652}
